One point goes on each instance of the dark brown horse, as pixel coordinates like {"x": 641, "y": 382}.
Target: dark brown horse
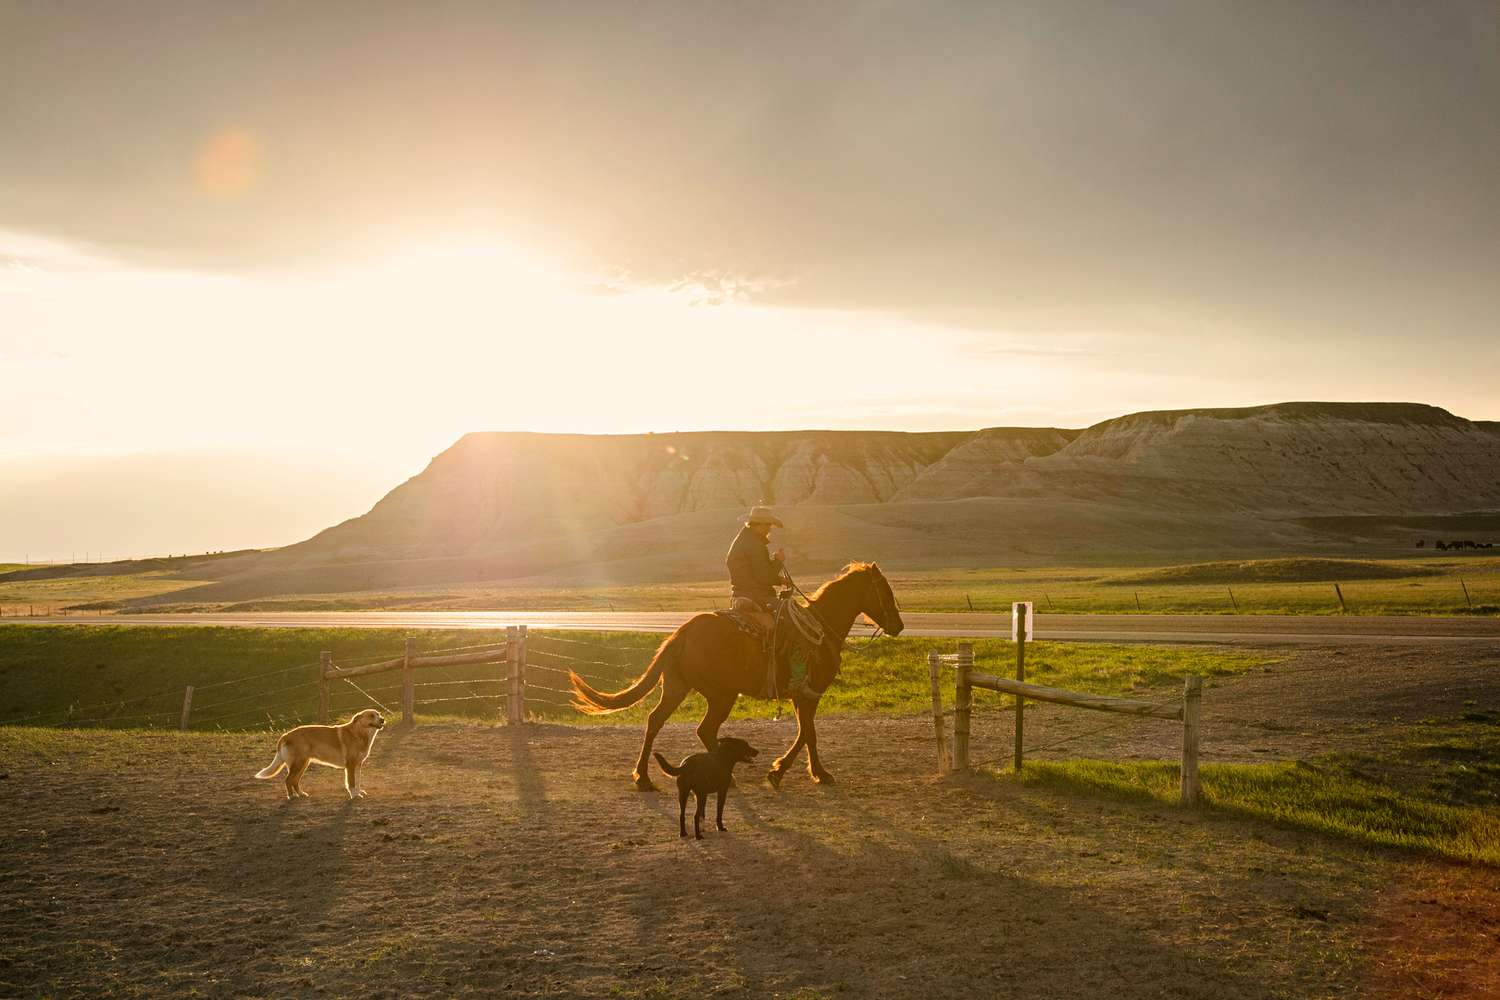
{"x": 712, "y": 655}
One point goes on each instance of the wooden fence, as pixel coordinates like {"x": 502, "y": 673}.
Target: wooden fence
{"x": 511, "y": 653}
{"x": 957, "y": 759}
{"x": 530, "y": 678}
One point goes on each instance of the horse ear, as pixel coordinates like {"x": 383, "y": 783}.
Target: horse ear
{"x": 876, "y": 568}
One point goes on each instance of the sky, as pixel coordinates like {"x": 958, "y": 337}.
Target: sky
{"x": 287, "y": 252}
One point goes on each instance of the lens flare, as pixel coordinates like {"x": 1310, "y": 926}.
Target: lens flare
{"x": 228, "y": 164}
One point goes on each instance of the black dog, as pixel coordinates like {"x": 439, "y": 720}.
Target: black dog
{"x": 703, "y": 773}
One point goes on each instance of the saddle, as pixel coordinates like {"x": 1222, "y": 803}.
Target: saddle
{"x": 796, "y": 635}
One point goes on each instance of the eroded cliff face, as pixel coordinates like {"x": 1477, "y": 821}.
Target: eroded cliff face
{"x": 988, "y": 463}
{"x": 495, "y": 491}
{"x": 1287, "y": 459}
{"x": 491, "y": 487}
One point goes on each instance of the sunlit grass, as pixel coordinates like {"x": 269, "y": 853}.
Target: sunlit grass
{"x": 124, "y": 676}
{"x": 1458, "y": 584}
{"x": 1436, "y": 791}
{"x": 17, "y": 596}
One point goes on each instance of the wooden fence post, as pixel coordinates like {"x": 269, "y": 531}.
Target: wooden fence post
{"x": 408, "y": 688}
{"x": 187, "y": 707}
{"x": 945, "y": 759}
{"x": 521, "y": 679}
{"x": 325, "y": 663}
{"x": 1343, "y": 608}
{"x": 1020, "y": 676}
{"x": 963, "y": 700}
{"x": 515, "y": 669}
{"x": 1192, "y": 703}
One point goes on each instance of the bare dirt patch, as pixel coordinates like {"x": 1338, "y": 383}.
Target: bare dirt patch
{"x": 519, "y": 862}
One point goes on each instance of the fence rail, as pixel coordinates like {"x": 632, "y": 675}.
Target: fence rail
{"x": 1187, "y": 711}
{"x": 343, "y": 686}
{"x": 530, "y": 679}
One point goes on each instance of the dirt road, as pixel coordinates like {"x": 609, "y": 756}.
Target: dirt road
{"x": 519, "y": 862}
{"x": 1394, "y": 630}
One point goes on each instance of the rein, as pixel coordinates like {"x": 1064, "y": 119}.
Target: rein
{"x": 844, "y": 645}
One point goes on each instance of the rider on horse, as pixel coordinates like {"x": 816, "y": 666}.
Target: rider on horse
{"x": 753, "y": 571}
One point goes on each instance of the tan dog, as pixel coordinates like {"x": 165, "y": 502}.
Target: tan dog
{"x": 344, "y": 746}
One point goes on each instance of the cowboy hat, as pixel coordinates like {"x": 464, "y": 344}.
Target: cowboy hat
{"x": 762, "y": 515}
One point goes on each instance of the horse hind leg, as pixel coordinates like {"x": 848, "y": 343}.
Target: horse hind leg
{"x": 672, "y": 693}
{"x": 708, "y": 728}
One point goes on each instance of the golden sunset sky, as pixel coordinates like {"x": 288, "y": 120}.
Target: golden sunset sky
{"x": 280, "y": 254}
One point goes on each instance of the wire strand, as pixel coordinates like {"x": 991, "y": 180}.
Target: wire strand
{"x": 377, "y": 701}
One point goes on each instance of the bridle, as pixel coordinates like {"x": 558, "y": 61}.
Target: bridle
{"x": 880, "y": 592}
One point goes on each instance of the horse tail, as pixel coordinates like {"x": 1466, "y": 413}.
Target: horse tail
{"x": 666, "y": 765}
{"x": 590, "y": 701}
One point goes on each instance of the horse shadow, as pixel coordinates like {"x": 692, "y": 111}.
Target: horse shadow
{"x": 788, "y": 880}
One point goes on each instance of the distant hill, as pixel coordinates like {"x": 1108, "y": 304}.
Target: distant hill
{"x": 1154, "y": 486}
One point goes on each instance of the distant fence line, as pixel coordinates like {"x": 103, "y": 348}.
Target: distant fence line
{"x": 524, "y": 673}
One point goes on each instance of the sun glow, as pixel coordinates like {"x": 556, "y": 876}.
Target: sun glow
{"x": 415, "y": 344}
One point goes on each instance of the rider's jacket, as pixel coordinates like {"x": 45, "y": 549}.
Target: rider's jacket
{"x": 752, "y": 571}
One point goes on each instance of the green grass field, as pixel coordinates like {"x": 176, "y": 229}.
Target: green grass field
{"x": 21, "y": 597}
{"x": 1432, "y": 586}
{"x": 1450, "y": 584}
{"x": 113, "y": 675}
{"x": 1434, "y": 789}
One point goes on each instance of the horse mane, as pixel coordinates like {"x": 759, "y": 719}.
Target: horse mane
{"x": 845, "y": 573}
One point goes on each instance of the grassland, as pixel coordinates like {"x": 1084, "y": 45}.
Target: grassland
{"x": 1431, "y": 586}
{"x": 119, "y": 676}
{"x": 1457, "y": 583}
{"x": 1434, "y": 788}
{"x": 21, "y": 597}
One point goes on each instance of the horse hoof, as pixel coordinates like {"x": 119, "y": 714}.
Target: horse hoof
{"x": 643, "y": 783}
{"x": 774, "y": 777}
{"x": 822, "y": 779}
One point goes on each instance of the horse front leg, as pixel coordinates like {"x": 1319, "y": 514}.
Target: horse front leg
{"x": 804, "y": 728}
{"x": 806, "y": 725}
{"x": 778, "y": 769}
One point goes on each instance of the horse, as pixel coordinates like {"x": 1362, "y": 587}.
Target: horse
{"x": 713, "y": 655}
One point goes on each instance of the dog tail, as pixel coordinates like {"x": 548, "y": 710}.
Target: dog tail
{"x": 662, "y": 763}
{"x": 590, "y": 701}
{"x": 278, "y": 762}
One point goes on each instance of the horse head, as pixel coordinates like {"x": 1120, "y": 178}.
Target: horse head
{"x": 881, "y": 607}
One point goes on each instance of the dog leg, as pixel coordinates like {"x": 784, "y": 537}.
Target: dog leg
{"x": 719, "y": 812}
{"x": 682, "y": 797}
{"x": 351, "y": 779}
{"x": 294, "y": 775}
{"x": 698, "y": 815}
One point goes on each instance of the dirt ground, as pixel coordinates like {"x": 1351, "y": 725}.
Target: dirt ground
{"x": 519, "y": 862}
